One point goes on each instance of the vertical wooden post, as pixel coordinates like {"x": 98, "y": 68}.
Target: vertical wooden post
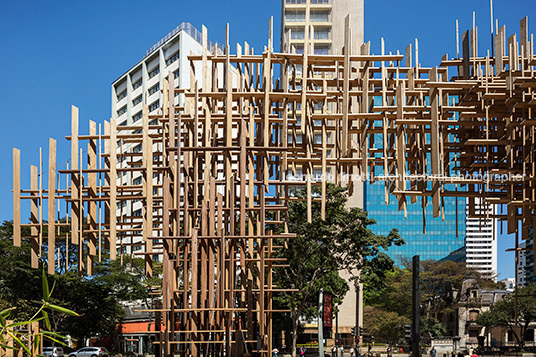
{"x": 34, "y": 231}
{"x": 113, "y": 190}
{"x": 75, "y": 178}
{"x": 16, "y": 198}
{"x": 52, "y": 207}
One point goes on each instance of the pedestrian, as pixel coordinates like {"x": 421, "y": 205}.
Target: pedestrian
{"x": 369, "y": 350}
{"x": 474, "y": 353}
{"x": 433, "y": 352}
{"x": 410, "y": 354}
{"x": 275, "y": 351}
{"x": 342, "y": 351}
{"x": 334, "y": 351}
{"x": 389, "y": 352}
{"x": 302, "y": 351}
{"x": 351, "y": 352}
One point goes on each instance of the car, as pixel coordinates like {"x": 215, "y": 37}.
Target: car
{"x": 53, "y": 351}
{"x": 90, "y": 352}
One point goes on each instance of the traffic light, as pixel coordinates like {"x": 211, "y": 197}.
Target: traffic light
{"x": 407, "y": 332}
{"x": 360, "y": 331}
{"x": 353, "y": 331}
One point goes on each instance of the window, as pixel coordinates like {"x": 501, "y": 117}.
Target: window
{"x": 122, "y": 95}
{"x": 154, "y": 106}
{"x": 154, "y": 72}
{"x": 298, "y": 139}
{"x": 176, "y": 74}
{"x": 321, "y": 34}
{"x": 319, "y": 16}
{"x": 172, "y": 59}
{"x": 122, "y": 111}
{"x": 321, "y": 50}
{"x": 295, "y": 16}
{"x": 137, "y": 213}
{"x": 154, "y": 88}
{"x": 137, "y": 116}
{"x": 137, "y": 100}
{"x": 137, "y": 84}
{"x": 298, "y": 34}
{"x": 137, "y": 148}
{"x": 137, "y": 181}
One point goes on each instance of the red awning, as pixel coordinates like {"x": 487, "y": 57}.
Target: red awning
{"x": 139, "y": 327}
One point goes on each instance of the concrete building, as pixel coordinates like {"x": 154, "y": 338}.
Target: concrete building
{"x": 481, "y": 239}
{"x": 509, "y": 284}
{"x": 523, "y": 268}
{"x": 143, "y": 83}
{"x": 327, "y": 17}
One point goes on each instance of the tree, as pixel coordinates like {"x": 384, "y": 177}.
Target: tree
{"x": 384, "y": 325}
{"x": 393, "y": 294}
{"x": 323, "y": 248}
{"x": 503, "y": 313}
{"x": 16, "y": 335}
{"x": 96, "y": 298}
{"x": 441, "y": 285}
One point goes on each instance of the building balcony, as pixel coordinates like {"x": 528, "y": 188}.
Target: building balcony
{"x": 319, "y": 41}
{"x": 293, "y": 24}
{"x": 303, "y": 6}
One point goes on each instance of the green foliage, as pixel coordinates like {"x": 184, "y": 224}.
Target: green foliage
{"x": 96, "y": 298}
{"x": 17, "y": 331}
{"x": 323, "y": 248}
{"x": 384, "y": 325}
{"x": 439, "y": 282}
{"x": 503, "y": 313}
{"x": 393, "y": 294}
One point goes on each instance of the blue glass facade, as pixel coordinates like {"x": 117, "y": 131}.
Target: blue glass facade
{"x": 440, "y": 238}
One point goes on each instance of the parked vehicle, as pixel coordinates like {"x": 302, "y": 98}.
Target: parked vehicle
{"x": 53, "y": 351}
{"x": 90, "y": 352}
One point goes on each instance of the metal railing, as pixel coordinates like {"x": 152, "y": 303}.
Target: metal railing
{"x": 189, "y": 29}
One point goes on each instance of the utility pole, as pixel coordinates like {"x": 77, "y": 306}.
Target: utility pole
{"x": 320, "y": 322}
{"x": 337, "y": 328}
{"x": 416, "y": 330}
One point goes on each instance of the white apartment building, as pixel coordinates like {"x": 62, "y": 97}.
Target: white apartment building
{"x": 327, "y": 18}
{"x": 481, "y": 239}
{"x": 525, "y": 265}
{"x": 143, "y": 83}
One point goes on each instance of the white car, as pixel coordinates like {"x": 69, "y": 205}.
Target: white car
{"x": 53, "y": 351}
{"x": 90, "y": 352}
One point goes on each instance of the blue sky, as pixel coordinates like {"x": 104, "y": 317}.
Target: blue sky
{"x": 58, "y": 53}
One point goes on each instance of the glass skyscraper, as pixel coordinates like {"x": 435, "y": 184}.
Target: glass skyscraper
{"x": 442, "y": 238}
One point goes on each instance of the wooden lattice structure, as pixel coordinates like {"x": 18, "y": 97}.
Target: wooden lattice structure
{"x": 218, "y": 170}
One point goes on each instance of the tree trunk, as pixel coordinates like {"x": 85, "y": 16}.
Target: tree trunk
{"x": 295, "y": 322}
